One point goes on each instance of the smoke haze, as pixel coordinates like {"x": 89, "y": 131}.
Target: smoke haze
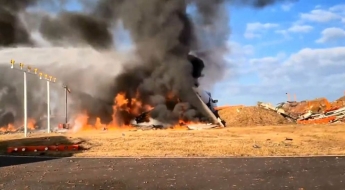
{"x": 79, "y": 49}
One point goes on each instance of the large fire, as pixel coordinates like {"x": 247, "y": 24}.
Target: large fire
{"x": 124, "y": 110}
{"x": 8, "y": 128}
{"x": 13, "y": 128}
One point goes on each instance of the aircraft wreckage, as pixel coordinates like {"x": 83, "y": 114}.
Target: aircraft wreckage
{"x": 207, "y": 108}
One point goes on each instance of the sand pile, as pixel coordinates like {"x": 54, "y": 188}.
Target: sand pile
{"x": 251, "y": 116}
{"x": 339, "y": 102}
{"x": 341, "y": 99}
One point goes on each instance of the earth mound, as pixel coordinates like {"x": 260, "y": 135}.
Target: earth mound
{"x": 251, "y": 116}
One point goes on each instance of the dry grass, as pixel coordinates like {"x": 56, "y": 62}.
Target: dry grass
{"x": 233, "y": 141}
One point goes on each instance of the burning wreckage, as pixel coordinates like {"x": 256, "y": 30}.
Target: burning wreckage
{"x": 209, "y": 117}
{"x": 204, "y": 97}
{"x": 144, "y": 120}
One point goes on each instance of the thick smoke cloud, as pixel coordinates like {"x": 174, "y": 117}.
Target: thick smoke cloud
{"x": 77, "y": 28}
{"x": 161, "y": 31}
{"x": 12, "y": 30}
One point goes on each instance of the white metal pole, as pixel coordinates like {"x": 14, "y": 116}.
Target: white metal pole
{"x": 66, "y": 120}
{"x": 48, "y": 107}
{"x": 25, "y": 107}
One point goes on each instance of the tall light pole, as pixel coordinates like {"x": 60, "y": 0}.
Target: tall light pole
{"x": 25, "y": 104}
{"x": 67, "y": 90}
{"x": 49, "y": 79}
{"x": 48, "y": 107}
{"x": 21, "y": 65}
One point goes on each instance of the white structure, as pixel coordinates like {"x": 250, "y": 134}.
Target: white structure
{"x": 49, "y": 79}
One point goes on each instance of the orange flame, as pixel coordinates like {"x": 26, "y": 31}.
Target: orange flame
{"x": 8, "y": 128}
{"x": 81, "y": 124}
{"x": 12, "y": 128}
{"x": 132, "y": 106}
{"x": 124, "y": 110}
{"x": 182, "y": 125}
{"x": 31, "y": 124}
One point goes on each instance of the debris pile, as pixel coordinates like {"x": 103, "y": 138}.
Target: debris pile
{"x": 318, "y": 105}
{"x": 317, "y": 111}
{"x": 332, "y": 116}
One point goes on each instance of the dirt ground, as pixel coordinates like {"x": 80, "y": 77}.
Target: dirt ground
{"x": 251, "y": 131}
{"x": 251, "y": 116}
{"x": 287, "y": 140}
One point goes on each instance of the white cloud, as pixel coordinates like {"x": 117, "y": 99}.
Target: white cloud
{"x": 317, "y": 57}
{"x": 336, "y": 8}
{"x": 259, "y": 26}
{"x": 340, "y": 10}
{"x": 323, "y": 14}
{"x": 317, "y": 6}
{"x": 238, "y": 49}
{"x": 331, "y": 35}
{"x": 307, "y": 73}
{"x": 308, "y": 66}
{"x": 287, "y": 7}
{"x": 238, "y": 56}
{"x": 282, "y": 32}
{"x": 262, "y": 64}
{"x": 319, "y": 15}
{"x": 295, "y": 28}
{"x": 300, "y": 28}
{"x": 255, "y": 30}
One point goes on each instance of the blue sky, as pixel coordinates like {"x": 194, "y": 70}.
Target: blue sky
{"x": 296, "y": 48}
{"x": 286, "y": 48}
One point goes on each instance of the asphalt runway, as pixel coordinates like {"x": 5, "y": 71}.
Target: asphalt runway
{"x": 175, "y": 173}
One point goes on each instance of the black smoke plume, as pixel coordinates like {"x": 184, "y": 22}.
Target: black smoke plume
{"x": 162, "y": 32}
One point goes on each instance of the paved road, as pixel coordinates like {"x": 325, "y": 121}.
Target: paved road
{"x": 182, "y": 174}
